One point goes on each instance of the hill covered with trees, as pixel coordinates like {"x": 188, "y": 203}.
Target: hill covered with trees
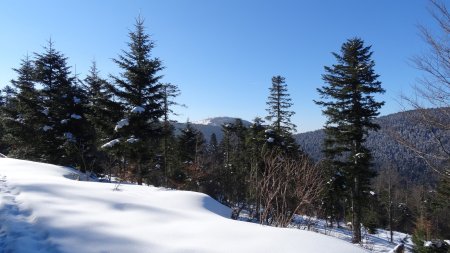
{"x": 387, "y": 144}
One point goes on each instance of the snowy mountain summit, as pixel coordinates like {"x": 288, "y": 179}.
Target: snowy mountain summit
{"x": 219, "y": 121}
{"x": 44, "y": 209}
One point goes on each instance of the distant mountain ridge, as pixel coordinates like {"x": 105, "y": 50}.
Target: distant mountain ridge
{"x": 385, "y": 148}
{"x": 384, "y": 145}
{"x": 219, "y": 121}
{"x": 212, "y": 125}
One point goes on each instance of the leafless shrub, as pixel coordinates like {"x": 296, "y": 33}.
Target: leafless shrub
{"x": 433, "y": 90}
{"x": 286, "y": 187}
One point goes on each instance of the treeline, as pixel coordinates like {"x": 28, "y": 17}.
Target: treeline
{"x": 404, "y": 178}
{"x": 120, "y": 127}
{"x": 386, "y": 145}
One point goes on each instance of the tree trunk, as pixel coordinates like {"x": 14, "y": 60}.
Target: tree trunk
{"x": 390, "y": 207}
{"x": 356, "y": 206}
{"x": 139, "y": 174}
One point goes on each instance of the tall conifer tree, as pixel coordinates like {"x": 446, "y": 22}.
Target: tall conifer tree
{"x": 350, "y": 107}
{"x": 58, "y": 100}
{"x": 139, "y": 91}
{"x": 102, "y": 113}
{"x": 279, "y": 104}
{"x": 22, "y": 119}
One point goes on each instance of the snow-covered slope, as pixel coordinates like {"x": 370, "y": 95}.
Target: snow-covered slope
{"x": 43, "y": 210}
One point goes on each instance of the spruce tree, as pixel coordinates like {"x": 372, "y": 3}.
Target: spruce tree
{"x": 102, "y": 112}
{"x": 169, "y": 93}
{"x": 191, "y": 147}
{"x": 350, "y": 108}
{"x": 2, "y": 118}
{"x": 279, "y": 134}
{"x": 64, "y": 130}
{"x": 22, "y": 119}
{"x": 53, "y": 75}
{"x": 234, "y": 174}
{"x": 139, "y": 91}
{"x": 279, "y": 104}
{"x": 79, "y": 133}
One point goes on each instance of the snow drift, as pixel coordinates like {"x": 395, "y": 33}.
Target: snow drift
{"x": 43, "y": 210}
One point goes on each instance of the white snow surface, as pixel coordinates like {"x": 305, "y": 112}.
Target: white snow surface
{"x": 43, "y": 210}
{"x": 75, "y": 116}
{"x": 46, "y": 128}
{"x": 219, "y": 121}
{"x": 121, "y": 123}
{"x": 110, "y": 144}
{"x": 132, "y": 139}
{"x": 137, "y": 109}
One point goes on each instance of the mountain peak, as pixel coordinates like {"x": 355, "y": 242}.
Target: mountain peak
{"x": 219, "y": 121}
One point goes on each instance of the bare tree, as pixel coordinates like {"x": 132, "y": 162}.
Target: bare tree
{"x": 286, "y": 187}
{"x": 433, "y": 91}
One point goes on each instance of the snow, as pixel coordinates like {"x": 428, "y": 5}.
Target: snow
{"x": 359, "y": 155}
{"x": 219, "y": 121}
{"x": 45, "y": 111}
{"x": 121, "y": 123}
{"x": 372, "y": 193}
{"x": 110, "y": 144}
{"x": 268, "y": 131}
{"x": 64, "y": 121}
{"x": 69, "y": 136}
{"x": 378, "y": 242}
{"x": 76, "y": 100}
{"x": 43, "y": 210}
{"x": 46, "y": 128}
{"x": 132, "y": 139}
{"x": 137, "y": 109}
{"x": 270, "y": 139}
{"x": 75, "y": 116}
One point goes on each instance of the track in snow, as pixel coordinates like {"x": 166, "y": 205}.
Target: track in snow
{"x": 18, "y": 231}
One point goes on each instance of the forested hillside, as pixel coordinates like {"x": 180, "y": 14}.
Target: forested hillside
{"x": 385, "y": 144}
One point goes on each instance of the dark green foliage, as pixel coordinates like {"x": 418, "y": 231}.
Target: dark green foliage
{"x": 384, "y": 145}
{"x": 279, "y": 104}
{"x": 102, "y": 112}
{"x": 66, "y": 134}
{"x": 3, "y": 146}
{"x": 22, "y": 115}
{"x": 191, "y": 146}
{"x": 350, "y": 109}
{"x": 335, "y": 194}
{"x": 169, "y": 93}
{"x": 233, "y": 176}
{"x": 440, "y": 207}
{"x": 139, "y": 91}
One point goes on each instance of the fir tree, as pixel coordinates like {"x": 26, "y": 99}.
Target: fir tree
{"x": 79, "y": 133}
{"x": 102, "y": 112}
{"x": 22, "y": 119}
{"x": 256, "y": 144}
{"x": 191, "y": 147}
{"x": 234, "y": 174}
{"x": 279, "y": 104}
{"x": 169, "y": 93}
{"x": 53, "y": 75}
{"x": 350, "y": 108}
{"x": 2, "y": 118}
{"x": 139, "y": 91}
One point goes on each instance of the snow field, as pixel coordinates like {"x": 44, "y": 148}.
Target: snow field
{"x": 45, "y": 211}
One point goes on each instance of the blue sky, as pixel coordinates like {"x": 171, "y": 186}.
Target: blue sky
{"x": 222, "y": 54}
